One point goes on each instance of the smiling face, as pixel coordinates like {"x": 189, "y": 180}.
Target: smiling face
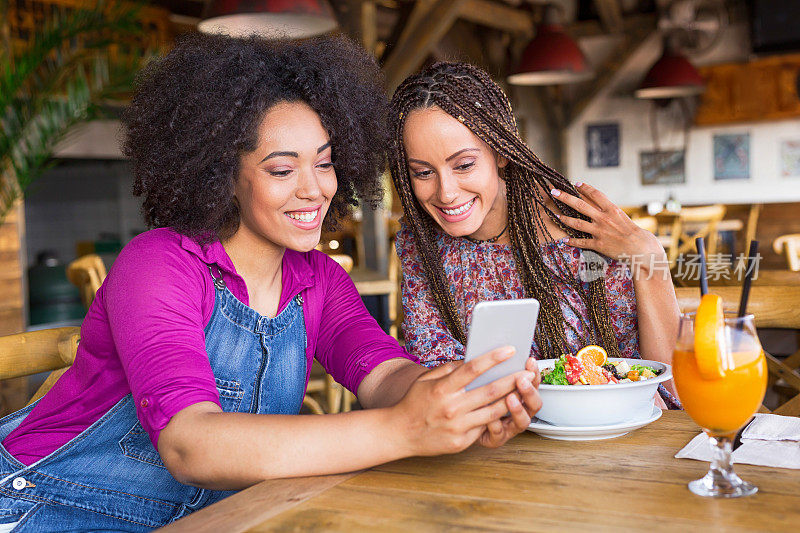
{"x": 454, "y": 175}
{"x": 286, "y": 184}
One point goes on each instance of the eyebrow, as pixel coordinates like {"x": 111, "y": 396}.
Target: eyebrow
{"x": 294, "y": 154}
{"x": 421, "y": 162}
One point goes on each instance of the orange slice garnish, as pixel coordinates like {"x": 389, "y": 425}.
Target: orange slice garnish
{"x": 709, "y": 337}
{"x": 593, "y": 354}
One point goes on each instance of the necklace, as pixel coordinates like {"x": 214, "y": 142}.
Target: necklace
{"x": 490, "y": 240}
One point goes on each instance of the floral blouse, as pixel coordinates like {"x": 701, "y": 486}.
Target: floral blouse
{"x": 484, "y": 271}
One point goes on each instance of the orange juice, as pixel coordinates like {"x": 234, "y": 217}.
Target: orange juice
{"x": 721, "y": 406}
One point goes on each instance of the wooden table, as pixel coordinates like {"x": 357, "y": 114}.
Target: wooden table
{"x": 530, "y": 484}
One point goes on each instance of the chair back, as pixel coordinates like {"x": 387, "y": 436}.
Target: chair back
{"x": 646, "y": 222}
{"x": 344, "y": 260}
{"x": 789, "y": 246}
{"x": 692, "y": 222}
{"x": 29, "y": 353}
{"x": 87, "y": 273}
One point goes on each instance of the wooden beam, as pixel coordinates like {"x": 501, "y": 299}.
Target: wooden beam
{"x": 428, "y": 23}
{"x": 610, "y": 15}
{"x": 634, "y": 38}
{"x": 498, "y": 16}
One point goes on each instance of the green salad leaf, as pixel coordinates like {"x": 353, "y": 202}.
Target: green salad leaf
{"x": 558, "y": 376}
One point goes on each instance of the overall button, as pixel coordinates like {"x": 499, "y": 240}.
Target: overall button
{"x": 19, "y": 483}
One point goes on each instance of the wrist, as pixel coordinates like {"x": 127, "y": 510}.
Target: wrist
{"x": 397, "y": 421}
{"x": 649, "y": 259}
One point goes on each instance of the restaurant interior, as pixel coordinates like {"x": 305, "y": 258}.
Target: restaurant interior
{"x": 685, "y": 113}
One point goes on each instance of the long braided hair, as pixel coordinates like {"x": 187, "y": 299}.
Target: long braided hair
{"x": 468, "y": 94}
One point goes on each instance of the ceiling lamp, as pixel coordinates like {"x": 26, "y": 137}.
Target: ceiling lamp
{"x": 277, "y": 19}
{"x": 672, "y": 76}
{"x": 552, "y": 57}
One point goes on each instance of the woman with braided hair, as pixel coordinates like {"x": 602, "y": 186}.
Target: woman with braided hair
{"x": 485, "y": 219}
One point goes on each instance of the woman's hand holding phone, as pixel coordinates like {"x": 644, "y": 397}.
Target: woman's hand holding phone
{"x": 438, "y": 415}
{"x": 522, "y": 405}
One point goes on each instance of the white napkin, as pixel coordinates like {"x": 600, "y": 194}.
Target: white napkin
{"x": 769, "y": 440}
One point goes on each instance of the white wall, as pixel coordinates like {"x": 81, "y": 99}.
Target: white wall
{"x": 617, "y": 104}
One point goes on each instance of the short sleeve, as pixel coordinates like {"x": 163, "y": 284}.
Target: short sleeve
{"x": 153, "y": 296}
{"x": 350, "y": 343}
{"x": 424, "y": 329}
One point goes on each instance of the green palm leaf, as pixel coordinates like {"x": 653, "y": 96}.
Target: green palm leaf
{"x": 55, "y": 84}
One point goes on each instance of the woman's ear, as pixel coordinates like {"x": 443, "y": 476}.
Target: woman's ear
{"x": 501, "y": 161}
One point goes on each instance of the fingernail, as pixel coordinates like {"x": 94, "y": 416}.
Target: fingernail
{"x": 508, "y": 350}
{"x": 513, "y": 400}
{"x": 555, "y": 192}
{"x": 564, "y": 240}
{"x": 578, "y": 183}
{"x": 558, "y": 216}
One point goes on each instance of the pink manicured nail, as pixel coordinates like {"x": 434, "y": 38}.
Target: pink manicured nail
{"x": 578, "y": 183}
{"x": 555, "y": 192}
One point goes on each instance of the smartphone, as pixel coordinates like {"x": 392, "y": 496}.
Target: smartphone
{"x": 501, "y": 323}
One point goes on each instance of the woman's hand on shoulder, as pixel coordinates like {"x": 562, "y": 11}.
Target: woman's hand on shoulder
{"x": 438, "y": 415}
{"x": 613, "y": 233}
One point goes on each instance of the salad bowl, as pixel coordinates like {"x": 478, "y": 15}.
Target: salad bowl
{"x": 599, "y": 405}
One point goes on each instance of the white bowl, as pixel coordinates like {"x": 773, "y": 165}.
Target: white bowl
{"x": 600, "y": 405}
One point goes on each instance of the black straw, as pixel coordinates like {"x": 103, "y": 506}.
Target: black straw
{"x": 701, "y": 250}
{"x": 752, "y": 257}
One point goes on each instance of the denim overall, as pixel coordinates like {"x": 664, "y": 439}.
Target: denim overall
{"x": 111, "y": 478}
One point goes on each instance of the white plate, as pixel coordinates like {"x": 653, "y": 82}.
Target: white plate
{"x": 590, "y": 432}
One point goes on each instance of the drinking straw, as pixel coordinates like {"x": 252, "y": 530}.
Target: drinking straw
{"x": 701, "y": 250}
{"x": 748, "y": 277}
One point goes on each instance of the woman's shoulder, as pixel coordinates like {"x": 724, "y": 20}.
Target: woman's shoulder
{"x": 161, "y": 253}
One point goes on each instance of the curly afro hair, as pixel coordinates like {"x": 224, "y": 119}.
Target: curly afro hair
{"x": 196, "y": 111}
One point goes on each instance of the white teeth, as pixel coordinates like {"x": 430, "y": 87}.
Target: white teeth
{"x": 304, "y": 216}
{"x": 463, "y": 209}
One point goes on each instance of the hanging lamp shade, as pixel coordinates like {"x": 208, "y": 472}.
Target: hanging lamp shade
{"x": 551, "y": 58}
{"x": 672, "y": 76}
{"x": 277, "y": 19}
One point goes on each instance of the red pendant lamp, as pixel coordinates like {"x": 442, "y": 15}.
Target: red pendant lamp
{"x": 672, "y": 76}
{"x": 278, "y": 19}
{"x": 552, "y": 57}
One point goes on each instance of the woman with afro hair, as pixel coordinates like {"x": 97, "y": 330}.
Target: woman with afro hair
{"x": 195, "y": 354}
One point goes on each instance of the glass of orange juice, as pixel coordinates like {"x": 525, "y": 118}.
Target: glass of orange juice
{"x": 721, "y": 395}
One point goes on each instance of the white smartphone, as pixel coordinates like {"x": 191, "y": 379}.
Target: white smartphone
{"x": 501, "y": 323}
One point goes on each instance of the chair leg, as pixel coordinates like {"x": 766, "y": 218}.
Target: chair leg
{"x": 313, "y": 405}
{"x": 790, "y": 408}
{"x": 347, "y": 401}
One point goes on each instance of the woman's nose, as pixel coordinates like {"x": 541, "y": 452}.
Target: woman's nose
{"x": 448, "y": 190}
{"x": 308, "y": 186}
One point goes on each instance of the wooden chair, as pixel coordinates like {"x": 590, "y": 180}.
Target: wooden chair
{"x": 25, "y": 354}
{"x": 772, "y": 307}
{"x": 678, "y": 231}
{"x": 789, "y": 246}
{"x": 646, "y": 222}
{"x": 87, "y": 273}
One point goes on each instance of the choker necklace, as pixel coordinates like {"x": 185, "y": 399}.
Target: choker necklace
{"x": 490, "y": 240}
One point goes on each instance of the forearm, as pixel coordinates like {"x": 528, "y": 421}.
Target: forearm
{"x": 236, "y": 450}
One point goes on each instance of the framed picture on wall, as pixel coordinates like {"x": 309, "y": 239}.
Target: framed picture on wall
{"x": 662, "y": 168}
{"x": 602, "y": 145}
{"x": 732, "y": 156}
{"x": 790, "y": 158}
